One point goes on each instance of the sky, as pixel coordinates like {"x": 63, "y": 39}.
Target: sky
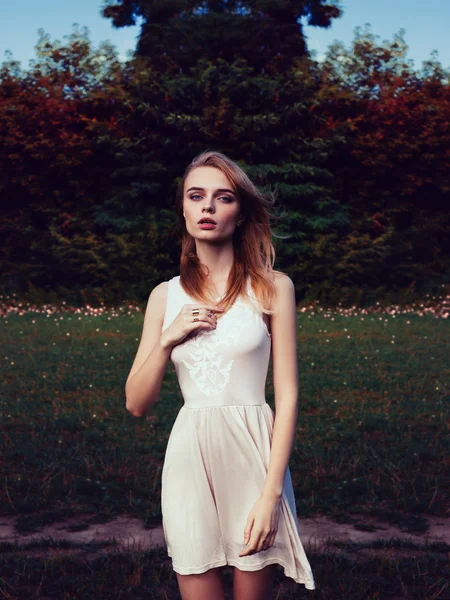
{"x": 426, "y": 25}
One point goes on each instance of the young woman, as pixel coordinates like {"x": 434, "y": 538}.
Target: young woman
{"x": 227, "y": 495}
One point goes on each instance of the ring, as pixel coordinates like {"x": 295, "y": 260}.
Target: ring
{"x": 195, "y": 311}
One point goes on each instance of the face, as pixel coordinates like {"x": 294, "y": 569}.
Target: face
{"x": 209, "y": 193}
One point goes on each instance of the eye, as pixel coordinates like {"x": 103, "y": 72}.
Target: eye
{"x": 226, "y": 198}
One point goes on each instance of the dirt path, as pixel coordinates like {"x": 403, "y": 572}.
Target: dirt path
{"x": 126, "y": 533}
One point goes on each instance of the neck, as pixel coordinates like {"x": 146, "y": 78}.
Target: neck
{"x": 217, "y": 258}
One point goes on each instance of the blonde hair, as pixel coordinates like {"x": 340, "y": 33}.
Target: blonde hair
{"x": 254, "y": 253}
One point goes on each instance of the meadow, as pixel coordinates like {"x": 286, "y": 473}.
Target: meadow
{"x": 372, "y": 439}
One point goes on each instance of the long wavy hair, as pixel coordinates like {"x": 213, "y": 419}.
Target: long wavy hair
{"x": 254, "y": 253}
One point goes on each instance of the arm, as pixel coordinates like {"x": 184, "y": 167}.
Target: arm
{"x": 285, "y": 379}
{"x": 262, "y": 523}
{"x": 145, "y": 378}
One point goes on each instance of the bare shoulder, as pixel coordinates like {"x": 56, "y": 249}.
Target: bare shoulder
{"x": 280, "y": 276}
{"x": 153, "y": 321}
{"x": 156, "y": 303}
{"x": 283, "y": 282}
{"x": 159, "y": 292}
{"x": 285, "y": 292}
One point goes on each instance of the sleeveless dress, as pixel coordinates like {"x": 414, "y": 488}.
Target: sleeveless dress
{"x": 218, "y": 450}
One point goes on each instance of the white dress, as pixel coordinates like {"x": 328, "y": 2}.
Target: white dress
{"x": 218, "y": 451}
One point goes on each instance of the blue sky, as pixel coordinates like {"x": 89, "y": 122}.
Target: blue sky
{"x": 426, "y": 26}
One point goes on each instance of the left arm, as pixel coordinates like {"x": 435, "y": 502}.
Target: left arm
{"x": 285, "y": 381}
{"x": 262, "y": 523}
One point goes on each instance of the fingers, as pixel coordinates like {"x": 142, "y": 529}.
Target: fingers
{"x": 252, "y": 544}
{"x": 258, "y": 543}
{"x": 248, "y": 528}
{"x": 205, "y": 314}
{"x": 271, "y": 540}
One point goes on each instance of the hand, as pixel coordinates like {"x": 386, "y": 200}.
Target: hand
{"x": 262, "y": 524}
{"x": 183, "y": 323}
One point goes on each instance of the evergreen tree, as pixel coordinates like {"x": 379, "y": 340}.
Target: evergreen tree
{"x": 176, "y": 34}
{"x": 234, "y": 77}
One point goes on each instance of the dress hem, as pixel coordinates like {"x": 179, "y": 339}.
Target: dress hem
{"x": 309, "y": 585}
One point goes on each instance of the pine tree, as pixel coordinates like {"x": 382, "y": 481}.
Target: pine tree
{"x": 178, "y": 33}
{"x": 234, "y": 77}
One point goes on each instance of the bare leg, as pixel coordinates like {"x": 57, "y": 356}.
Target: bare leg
{"x": 204, "y": 586}
{"x": 253, "y": 585}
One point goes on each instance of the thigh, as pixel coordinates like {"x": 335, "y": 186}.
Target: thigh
{"x": 202, "y": 586}
{"x": 254, "y": 585}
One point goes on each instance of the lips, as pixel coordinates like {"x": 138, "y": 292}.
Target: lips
{"x": 207, "y": 221}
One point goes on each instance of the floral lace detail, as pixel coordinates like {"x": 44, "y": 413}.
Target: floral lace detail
{"x": 208, "y": 371}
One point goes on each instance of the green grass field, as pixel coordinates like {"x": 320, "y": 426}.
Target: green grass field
{"x": 372, "y": 435}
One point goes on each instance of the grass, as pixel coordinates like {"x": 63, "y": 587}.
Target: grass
{"x": 372, "y": 433}
{"x": 148, "y": 575}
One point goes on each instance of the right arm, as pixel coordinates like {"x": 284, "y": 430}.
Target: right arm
{"x": 144, "y": 381}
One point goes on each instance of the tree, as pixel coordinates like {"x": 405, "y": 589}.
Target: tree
{"x": 175, "y": 34}
{"x": 394, "y": 172}
{"x": 249, "y": 97}
{"x": 54, "y": 165}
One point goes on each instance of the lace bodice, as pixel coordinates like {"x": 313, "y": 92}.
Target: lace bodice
{"x": 224, "y": 366}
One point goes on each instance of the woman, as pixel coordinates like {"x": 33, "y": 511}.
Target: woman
{"x": 227, "y": 496}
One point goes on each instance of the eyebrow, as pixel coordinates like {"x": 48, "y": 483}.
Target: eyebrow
{"x": 216, "y": 192}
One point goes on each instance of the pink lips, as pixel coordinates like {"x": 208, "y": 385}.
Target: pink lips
{"x": 207, "y": 225}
